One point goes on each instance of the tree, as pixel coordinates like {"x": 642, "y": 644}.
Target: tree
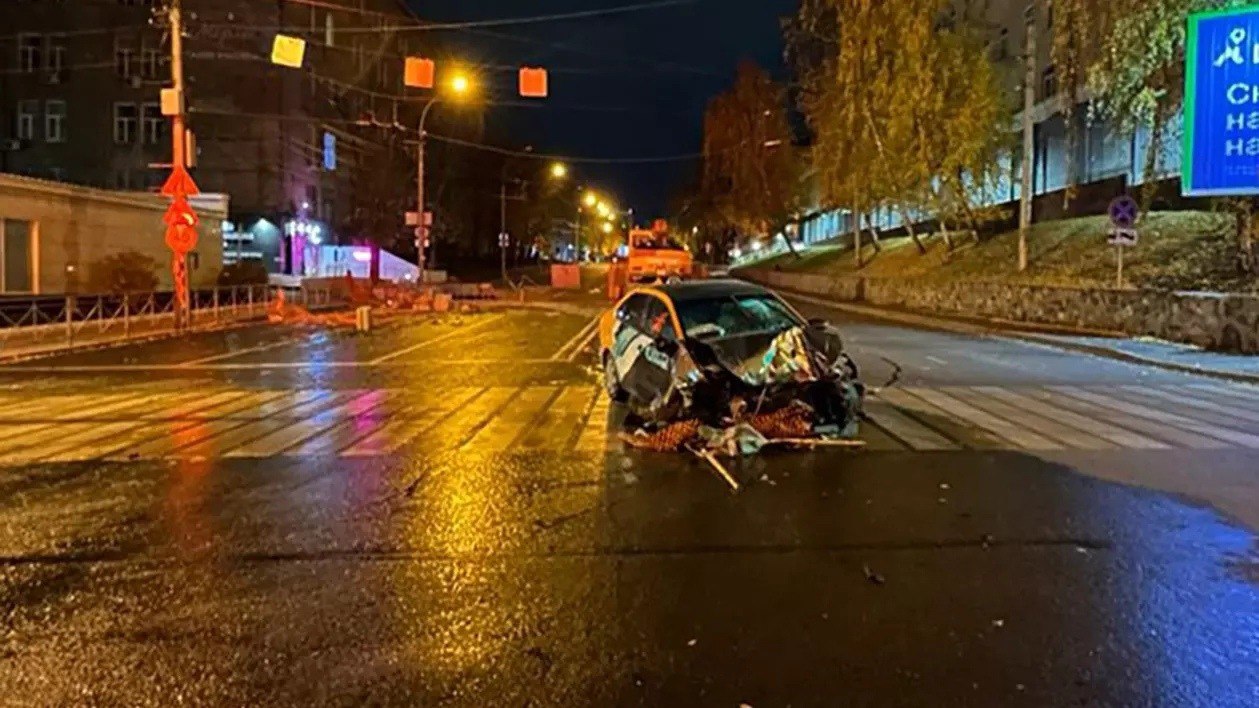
{"x": 750, "y": 177}
{"x": 1130, "y": 55}
{"x": 905, "y": 107}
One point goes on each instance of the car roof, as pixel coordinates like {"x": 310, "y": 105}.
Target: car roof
{"x": 709, "y": 289}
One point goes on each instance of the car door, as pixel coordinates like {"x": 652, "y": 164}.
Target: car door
{"x": 627, "y": 335}
{"x": 650, "y": 372}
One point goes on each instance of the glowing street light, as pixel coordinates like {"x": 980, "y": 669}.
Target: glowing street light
{"x": 590, "y": 199}
{"x": 559, "y": 170}
{"x": 607, "y": 227}
{"x": 460, "y": 84}
{"x": 602, "y": 208}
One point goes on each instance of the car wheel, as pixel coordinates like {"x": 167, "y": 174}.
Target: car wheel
{"x": 612, "y": 380}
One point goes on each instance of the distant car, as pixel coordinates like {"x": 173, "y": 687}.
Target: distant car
{"x": 690, "y": 349}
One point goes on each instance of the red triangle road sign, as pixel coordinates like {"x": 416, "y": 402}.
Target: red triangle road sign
{"x": 180, "y": 213}
{"x": 179, "y": 183}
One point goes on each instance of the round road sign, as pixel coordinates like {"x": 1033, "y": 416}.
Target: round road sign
{"x": 1124, "y": 212}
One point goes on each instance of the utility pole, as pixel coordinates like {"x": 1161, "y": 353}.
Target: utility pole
{"x": 179, "y": 157}
{"x": 1029, "y": 135}
{"x": 502, "y": 226}
{"x": 421, "y": 229}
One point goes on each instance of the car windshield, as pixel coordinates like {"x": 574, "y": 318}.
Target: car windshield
{"x": 734, "y": 315}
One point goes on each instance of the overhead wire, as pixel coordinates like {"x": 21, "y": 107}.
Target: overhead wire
{"x": 499, "y": 22}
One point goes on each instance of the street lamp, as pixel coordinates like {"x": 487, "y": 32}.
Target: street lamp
{"x": 590, "y": 199}
{"x": 458, "y": 86}
{"x": 607, "y": 227}
{"x": 559, "y": 170}
{"x": 602, "y": 208}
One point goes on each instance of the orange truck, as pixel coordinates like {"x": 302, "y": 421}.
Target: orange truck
{"x": 653, "y": 257}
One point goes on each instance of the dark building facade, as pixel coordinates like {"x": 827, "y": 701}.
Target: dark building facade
{"x": 80, "y": 82}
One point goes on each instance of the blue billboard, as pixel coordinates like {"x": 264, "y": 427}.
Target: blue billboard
{"x": 1221, "y": 149}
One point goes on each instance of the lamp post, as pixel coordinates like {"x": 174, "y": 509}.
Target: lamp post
{"x": 459, "y": 85}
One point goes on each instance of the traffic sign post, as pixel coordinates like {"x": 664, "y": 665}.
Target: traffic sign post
{"x": 1124, "y": 213}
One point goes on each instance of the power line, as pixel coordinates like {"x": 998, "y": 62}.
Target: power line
{"x": 500, "y": 22}
{"x": 564, "y": 158}
{"x": 457, "y": 141}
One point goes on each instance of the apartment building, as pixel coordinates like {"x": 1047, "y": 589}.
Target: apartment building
{"x": 79, "y": 92}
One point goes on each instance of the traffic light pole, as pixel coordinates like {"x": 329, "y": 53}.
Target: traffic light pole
{"x": 179, "y": 145}
{"x": 421, "y": 228}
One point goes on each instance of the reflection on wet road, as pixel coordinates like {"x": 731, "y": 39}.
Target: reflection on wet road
{"x": 440, "y": 514}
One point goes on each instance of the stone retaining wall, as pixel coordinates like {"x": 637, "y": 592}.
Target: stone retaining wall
{"x": 1217, "y": 321}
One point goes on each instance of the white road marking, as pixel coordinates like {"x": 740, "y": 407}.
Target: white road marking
{"x": 905, "y": 428}
{"x": 440, "y": 338}
{"x": 576, "y": 340}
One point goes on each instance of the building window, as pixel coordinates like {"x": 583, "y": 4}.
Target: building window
{"x": 124, "y": 62}
{"x": 1049, "y": 83}
{"x": 55, "y": 121}
{"x": 30, "y": 52}
{"x": 153, "y": 120}
{"x": 17, "y": 272}
{"x": 56, "y": 53}
{"x": 126, "y": 123}
{"x": 26, "y": 111}
{"x": 150, "y": 63}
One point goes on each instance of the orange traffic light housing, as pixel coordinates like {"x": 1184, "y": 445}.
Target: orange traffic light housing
{"x": 533, "y": 82}
{"x": 420, "y": 73}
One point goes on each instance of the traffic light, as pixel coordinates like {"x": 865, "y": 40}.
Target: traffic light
{"x": 420, "y": 73}
{"x": 533, "y": 82}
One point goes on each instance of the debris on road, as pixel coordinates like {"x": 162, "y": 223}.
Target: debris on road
{"x": 872, "y": 577}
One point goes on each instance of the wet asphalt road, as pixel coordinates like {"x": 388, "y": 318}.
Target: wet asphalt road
{"x": 436, "y": 514}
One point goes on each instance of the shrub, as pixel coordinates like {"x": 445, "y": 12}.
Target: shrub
{"x": 126, "y": 271}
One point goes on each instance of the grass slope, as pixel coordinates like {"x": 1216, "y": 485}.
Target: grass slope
{"x": 1178, "y": 250}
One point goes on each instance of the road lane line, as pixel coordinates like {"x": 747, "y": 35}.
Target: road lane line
{"x": 50, "y": 407}
{"x": 461, "y": 424}
{"x": 988, "y": 398}
{"x": 290, "y": 340}
{"x": 440, "y": 338}
{"x": 1181, "y": 425}
{"x": 585, "y": 344}
{"x": 575, "y": 341}
{"x": 1121, "y": 437}
{"x": 983, "y": 420}
{"x": 596, "y": 434}
{"x": 904, "y": 429}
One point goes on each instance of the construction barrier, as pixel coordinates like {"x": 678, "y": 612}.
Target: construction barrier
{"x": 566, "y": 276}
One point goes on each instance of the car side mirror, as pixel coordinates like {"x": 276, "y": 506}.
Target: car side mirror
{"x": 666, "y": 345}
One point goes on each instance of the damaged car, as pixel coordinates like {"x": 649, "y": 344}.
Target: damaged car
{"x": 707, "y": 357}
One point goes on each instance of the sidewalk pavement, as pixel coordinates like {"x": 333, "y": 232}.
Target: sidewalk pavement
{"x": 1142, "y": 350}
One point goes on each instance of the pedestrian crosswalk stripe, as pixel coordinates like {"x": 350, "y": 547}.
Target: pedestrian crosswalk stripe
{"x": 1234, "y": 413}
{"x": 1180, "y": 419}
{"x": 1039, "y": 421}
{"x": 145, "y": 423}
{"x": 998, "y": 426}
{"x": 904, "y": 428}
{"x": 1106, "y": 417}
{"x": 1119, "y": 436}
{"x": 1244, "y": 396}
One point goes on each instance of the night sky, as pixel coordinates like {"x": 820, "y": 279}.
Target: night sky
{"x": 627, "y": 85}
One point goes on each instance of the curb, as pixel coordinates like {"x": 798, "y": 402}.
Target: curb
{"x": 1004, "y": 329}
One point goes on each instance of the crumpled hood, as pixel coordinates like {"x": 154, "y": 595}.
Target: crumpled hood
{"x": 767, "y": 358}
